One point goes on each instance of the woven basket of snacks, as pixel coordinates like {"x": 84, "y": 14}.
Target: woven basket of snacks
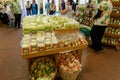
{"x": 43, "y": 68}
{"x": 69, "y": 66}
{"x": 68, "y": 75}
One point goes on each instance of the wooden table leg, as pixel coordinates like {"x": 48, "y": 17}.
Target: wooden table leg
{"x": 80, "y": 54}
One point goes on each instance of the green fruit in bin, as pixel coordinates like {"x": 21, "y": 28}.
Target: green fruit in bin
{"x": 80, "y": 20}
{"x": 43, "y": 69}
{"x": 47, "y": 69}
{"x": 52, "y": 65}
{"x": 81, "y": 15}
{"x": 40, "y": 73}
{"x": 44, "y": 72}
{"x": 32, "y": 78}
{"x": 35, "y": 70}
{"x": 42, "y": 66}
{"x": 47, "y": 60}
{"x": 39, "y": 65}
{"x": 39, "y": 62}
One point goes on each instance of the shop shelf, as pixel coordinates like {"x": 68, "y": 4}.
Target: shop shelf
{"x": 87, "y": 15}
{"x": 116, "y": 3}
{"x": 112, "y": 35}
{"x": 115, "y": 15}
{"x": 66, "y": 31}
{"x": 110, "y": 44}
{"x": 114, "y": 25}
{"x": 52, "y": 51}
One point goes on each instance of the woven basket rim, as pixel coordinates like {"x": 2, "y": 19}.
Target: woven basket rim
{"x": 69, "y": 72}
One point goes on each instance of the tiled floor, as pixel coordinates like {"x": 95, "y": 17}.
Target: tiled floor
{"x": 102, "y": 66}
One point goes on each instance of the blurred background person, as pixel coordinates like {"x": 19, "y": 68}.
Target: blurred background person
{"x": 41, "y": 8}
{"x": 34, "y": 8}
{"x": 17, "y": 11}
{"x": 1, "y": 12}
{"x": 63, "y": 4}
{"x": 5, "y": 17}
{"x": 52, "y": 8}
{"x": 10, "y": 14}
{"x": 68, "y": 10}
{"x": 28, "y": 8}
{"x": 74, "y": 6}
{"x": 47, "y": 7}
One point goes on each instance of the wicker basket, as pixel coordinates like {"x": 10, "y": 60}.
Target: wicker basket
{"x": 68, "y": 76}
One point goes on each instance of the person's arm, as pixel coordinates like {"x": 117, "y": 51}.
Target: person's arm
{"x": 99, "y": 14}
{"x": 65, "y": 10}
{"x": 99, "y": 11}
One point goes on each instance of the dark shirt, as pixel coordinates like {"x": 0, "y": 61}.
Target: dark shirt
{"x": 36, "y": 7}
{"x": 63, "y": 5}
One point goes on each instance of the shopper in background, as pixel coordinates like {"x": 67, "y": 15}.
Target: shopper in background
{"x": 68, "y": 10}
{"x": 28, "y": 8}
{"x": 2, "y": 11}
{"x": 47, "y": 7}
{"x": 74, "y": 6}
{"x": 101, "y": 22}
{"x": 34, "y": 8}
{"x": 17, "y": 11}
{"x": 5, "y": 16}
{"x": 41, "y": 8}
{"x": 52, "y": 8}
{"x": 10, "y": 14}
{"x": 63, "y": 4}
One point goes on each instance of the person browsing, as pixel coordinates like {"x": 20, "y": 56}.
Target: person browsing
{"x": 101, "y": 21}
{"x": 28, "y": 8}
{"x": 34, "y": 7}
{"x": 68, "y": 10}
{"x": 17, "y": 11}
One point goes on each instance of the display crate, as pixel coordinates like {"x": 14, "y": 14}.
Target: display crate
{"x": 53, "y": 52}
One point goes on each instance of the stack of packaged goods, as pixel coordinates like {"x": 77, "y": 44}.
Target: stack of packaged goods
{"x": 39, "y": 42}
{"x": 70, "y": 39}
{"x": 39, "y": 33}
{"x": 43, "y": 41}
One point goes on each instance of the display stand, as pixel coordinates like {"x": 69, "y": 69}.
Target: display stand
{"x": 54, "y": 52}
{"x": 88, "y": 15}
{"x": 112, "y": 33}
